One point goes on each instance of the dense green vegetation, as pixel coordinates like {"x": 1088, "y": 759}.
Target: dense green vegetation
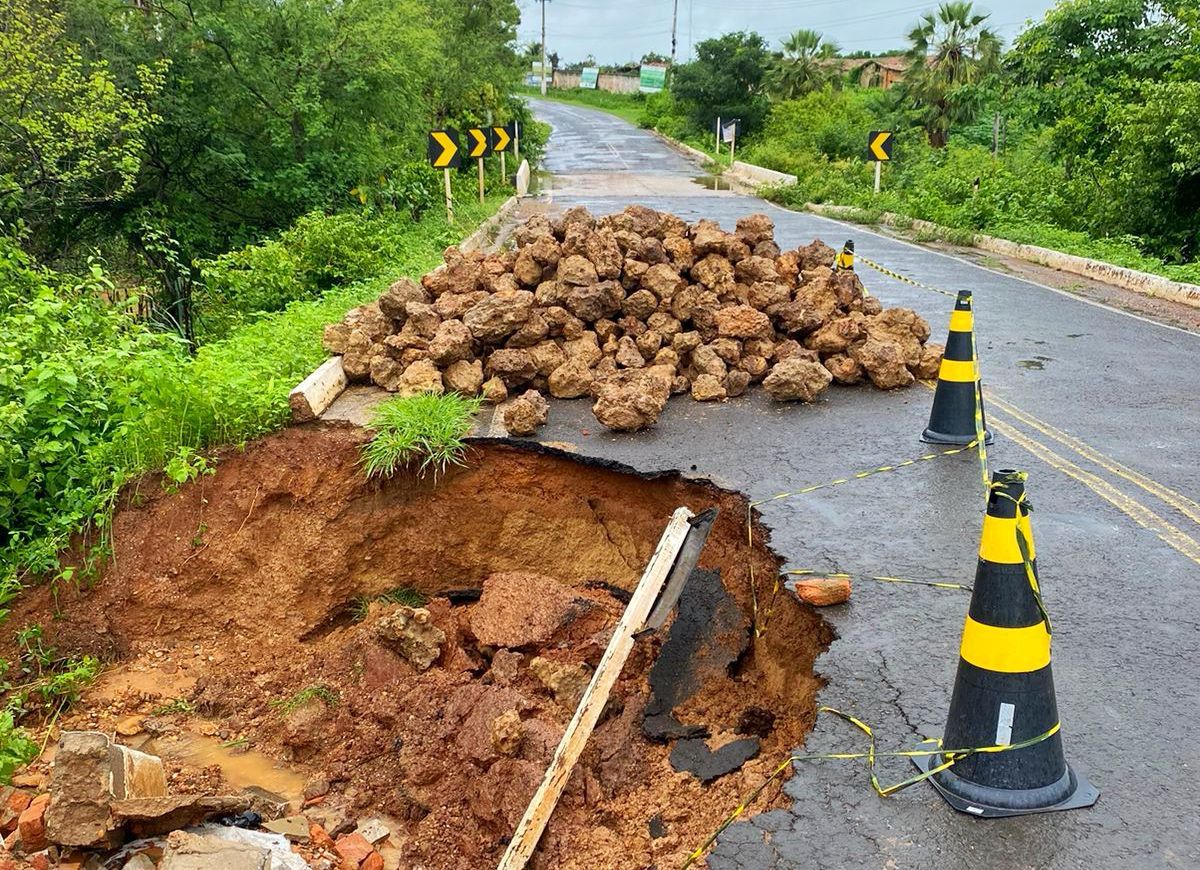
{"x": 189, "y": 191}
{"x": 1084, "y": 136}
{"x": 424, "y": 431}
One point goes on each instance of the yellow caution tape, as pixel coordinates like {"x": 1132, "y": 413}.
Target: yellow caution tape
{"x": 760, "y": 628}
{"x": 937, "y": 584}
{"x": 883, "y": 270}
{"x": 980, "y": 434}
{"x": 950, "y": 757}
{"x": 1025, "y": 546}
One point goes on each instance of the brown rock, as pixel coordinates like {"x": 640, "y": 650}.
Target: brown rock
{"x": 412, "y": 634}
{"x": 904, "y": 327}
{"x": 514, "y": 366}
{"x": 356, "y": 358}
{"x": 633, "y": 272}
{"x": 686, "y": 342}
{"x": 527, "y": 270}
{"x": 335, "y": 336}
{"x": 814, "y": 255}
{"x": 714, "y": 272}
{"x": 791, "y": 348}
{"x": 628, "y": 356}
{"x": 666, "y": 356}
{"x": 787, "y": 265}
{"x": 706, "y": 362}
{"x": 754, "y": 366}
{"x": 765, "y": 295}
{"x": 633, "y": 405}
{"x": 392, "y": 303}
{"x": 495, "y": 318}
{"x": 565, "y": 680}
{"x": 845, "y": 370}
{"x": 370, "y": 321}
{"x": 586, "y": 348}
{"x": 545, "y": 250}
{"x": 532, "y": 331}
{"x": 640, "y": 304}
{"x": 31, "y": 825}
{"x": 679, "y": 251}
{"x": 648, "y": 343}
{"x": 884, "y": 363}
{"x": 526, "y": 414}
{"x": 464, "y": 377}
{"x": 796, "y": 380}
{"x": 755, "y": 228}
{"x": 571, "y": 380}
{"x": 422, "y": 319}
{"x": 494, "y": 392}
{"x": 753, "y": 269}
{"x": 420, "y": 377}
{"x": 450, "y": 343}
{"x": 650, "y": 251}
{"x": 837, "y": 335}
{"x": 577, "y": 271}
{"x": 930, "y": 363}
{"x": 824, "y": 591}
{"x": 663, "y": 281}
{"x": 386, "y": 372}
{"x": 736, "y": 383}
{"x": 602, "y": 251}
{"x": 707, "y": 388}
{"x": 664, "y": 324}
{"x": 728, "y": 349}
{"x": 591, "y": 302}
{"x": 452, "y": 306}
{"x": 551, "y": 293}
{"x": 353, "y": 849}
{"x": 547, "y": 356}
{"x": 766, "y": 248}
{"x": 508, "y": 733}
{"x": 742, "y": 321}
{"x": 519, "y": 609}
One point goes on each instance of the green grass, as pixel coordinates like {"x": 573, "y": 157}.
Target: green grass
{"x": 427, "y": 430}
{"x": 627, "y": 107}
{"x": 179, "y": 705}
{"x": 298, "y": 700}
{"x": 404, "y": 595}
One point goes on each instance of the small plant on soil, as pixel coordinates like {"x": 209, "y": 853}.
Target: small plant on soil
{"x": 179, "y": 705}
{"x": 405, "y": 595}
{"x": 17, "y": 747}
{"x": 44, "y": 681}
{"x": 425, "y": 429}
{"x": 298, "y": 700}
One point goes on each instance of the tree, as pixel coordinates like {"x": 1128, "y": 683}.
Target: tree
{"x": 655, "y": 57}
{"x": 807, "y": 65}
{"x": 71, "y": 137}
{"x": 725, "y": 80}
{"x": 951, "y": 50}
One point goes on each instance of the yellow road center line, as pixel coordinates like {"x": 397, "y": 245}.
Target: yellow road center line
{"x": 1129, "y": 506}
{"x": 1180, "y": 502}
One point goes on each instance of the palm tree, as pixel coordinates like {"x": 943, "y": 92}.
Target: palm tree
{"x": 950, "y": 48}
{"x": 804, "y": 66}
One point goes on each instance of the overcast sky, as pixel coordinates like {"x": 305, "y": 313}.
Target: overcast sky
{"x": 615, "y": 31}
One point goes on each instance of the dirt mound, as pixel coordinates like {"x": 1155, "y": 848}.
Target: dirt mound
{"x": 241, "y": 607}
{"x": 629, "y": 309}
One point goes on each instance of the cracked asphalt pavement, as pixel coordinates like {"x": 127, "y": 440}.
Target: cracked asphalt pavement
{"x": 1098, "y": 405}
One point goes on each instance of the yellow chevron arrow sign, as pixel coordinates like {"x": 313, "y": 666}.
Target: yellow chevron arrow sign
{"x": 443, "y": 150}
{"x": 500, "y": 139}
{"x": 879, "y": 145}
{"x": 478, "y": 144}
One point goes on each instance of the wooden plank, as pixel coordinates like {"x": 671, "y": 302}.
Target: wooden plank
{"x": 315, "y": 393}
{"x": 587, "y": 714}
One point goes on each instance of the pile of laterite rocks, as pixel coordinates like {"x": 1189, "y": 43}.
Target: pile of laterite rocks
{"x": 629, "y": 309}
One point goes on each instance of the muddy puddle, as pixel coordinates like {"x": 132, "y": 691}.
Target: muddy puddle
{"x": 712, "y": 182}
{"x": 268, "y": 592}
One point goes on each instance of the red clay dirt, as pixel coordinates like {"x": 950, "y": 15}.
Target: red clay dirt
{"x": 239, "y": 591}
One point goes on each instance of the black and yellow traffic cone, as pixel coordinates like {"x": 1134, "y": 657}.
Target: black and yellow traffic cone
{"x": 845, "y": 260}
{"x": 1003, "y": 733}
{"x": 958, "y": 397}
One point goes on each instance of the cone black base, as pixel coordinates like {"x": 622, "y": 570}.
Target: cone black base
{"x": 997, "y": 803}
{"x": 931, "y": 437}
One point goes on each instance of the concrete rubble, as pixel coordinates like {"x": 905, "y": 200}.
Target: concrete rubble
{"x": 628, "y": 310}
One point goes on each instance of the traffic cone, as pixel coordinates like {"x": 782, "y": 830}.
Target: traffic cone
{"x": 1004, "y": 690}
{"x": 958, "y": 396}
{"x": 845, "y": 259}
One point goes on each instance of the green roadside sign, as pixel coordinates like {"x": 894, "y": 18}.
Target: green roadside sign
{"x": 589, "y": 76}
{"x": 653, "y": 78}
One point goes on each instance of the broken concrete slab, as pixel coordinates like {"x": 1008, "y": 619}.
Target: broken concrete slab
{"x": 90, "y": 772}
{"x": 186, "y": 851}
{"x": 295, "y": 828}
{"x": 693, "y": 756}
{"x": 266, "y": 803}
{"x": 151, "y": 817}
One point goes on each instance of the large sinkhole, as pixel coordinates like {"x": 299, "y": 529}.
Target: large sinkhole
{"x": 259, "y": 596}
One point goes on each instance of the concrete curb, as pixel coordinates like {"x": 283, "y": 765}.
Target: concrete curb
{"x": 1144, "y": 283}
{"x": 312, "y": 397}
{"x": 760, "y": 175}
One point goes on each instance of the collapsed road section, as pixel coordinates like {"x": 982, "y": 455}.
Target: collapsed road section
{"x": 412, "y": 650}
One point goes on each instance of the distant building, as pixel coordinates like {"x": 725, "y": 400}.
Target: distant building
{"x": 875, "y": 72}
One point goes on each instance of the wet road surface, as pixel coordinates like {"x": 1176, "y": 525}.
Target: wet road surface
{"x": 1099, "y": 406}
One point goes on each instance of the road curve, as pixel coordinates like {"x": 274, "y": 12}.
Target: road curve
{"x": 1099, "y": 406}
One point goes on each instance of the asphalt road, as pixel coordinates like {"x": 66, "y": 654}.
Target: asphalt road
{"x": 1100, "y": 407}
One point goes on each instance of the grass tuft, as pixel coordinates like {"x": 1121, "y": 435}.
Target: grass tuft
{"x": 405, "y": 595}
{"x": 427, "y": 429}
{"x": 298, "y": 700}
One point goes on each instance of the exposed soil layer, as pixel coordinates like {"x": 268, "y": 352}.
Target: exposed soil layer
{"x": 245, "y": 588}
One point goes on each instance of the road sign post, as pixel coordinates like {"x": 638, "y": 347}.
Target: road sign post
{"x": 444, "y": 154}
{"x": 718, "y": 135}
{"x": 501, "y": 139}
{"x": 879, "y": 149}
{"x": 479, "y": 141}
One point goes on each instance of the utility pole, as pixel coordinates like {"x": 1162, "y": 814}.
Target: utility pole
{"x": 544, "y": 47}
{"x": 674, "y": 18}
